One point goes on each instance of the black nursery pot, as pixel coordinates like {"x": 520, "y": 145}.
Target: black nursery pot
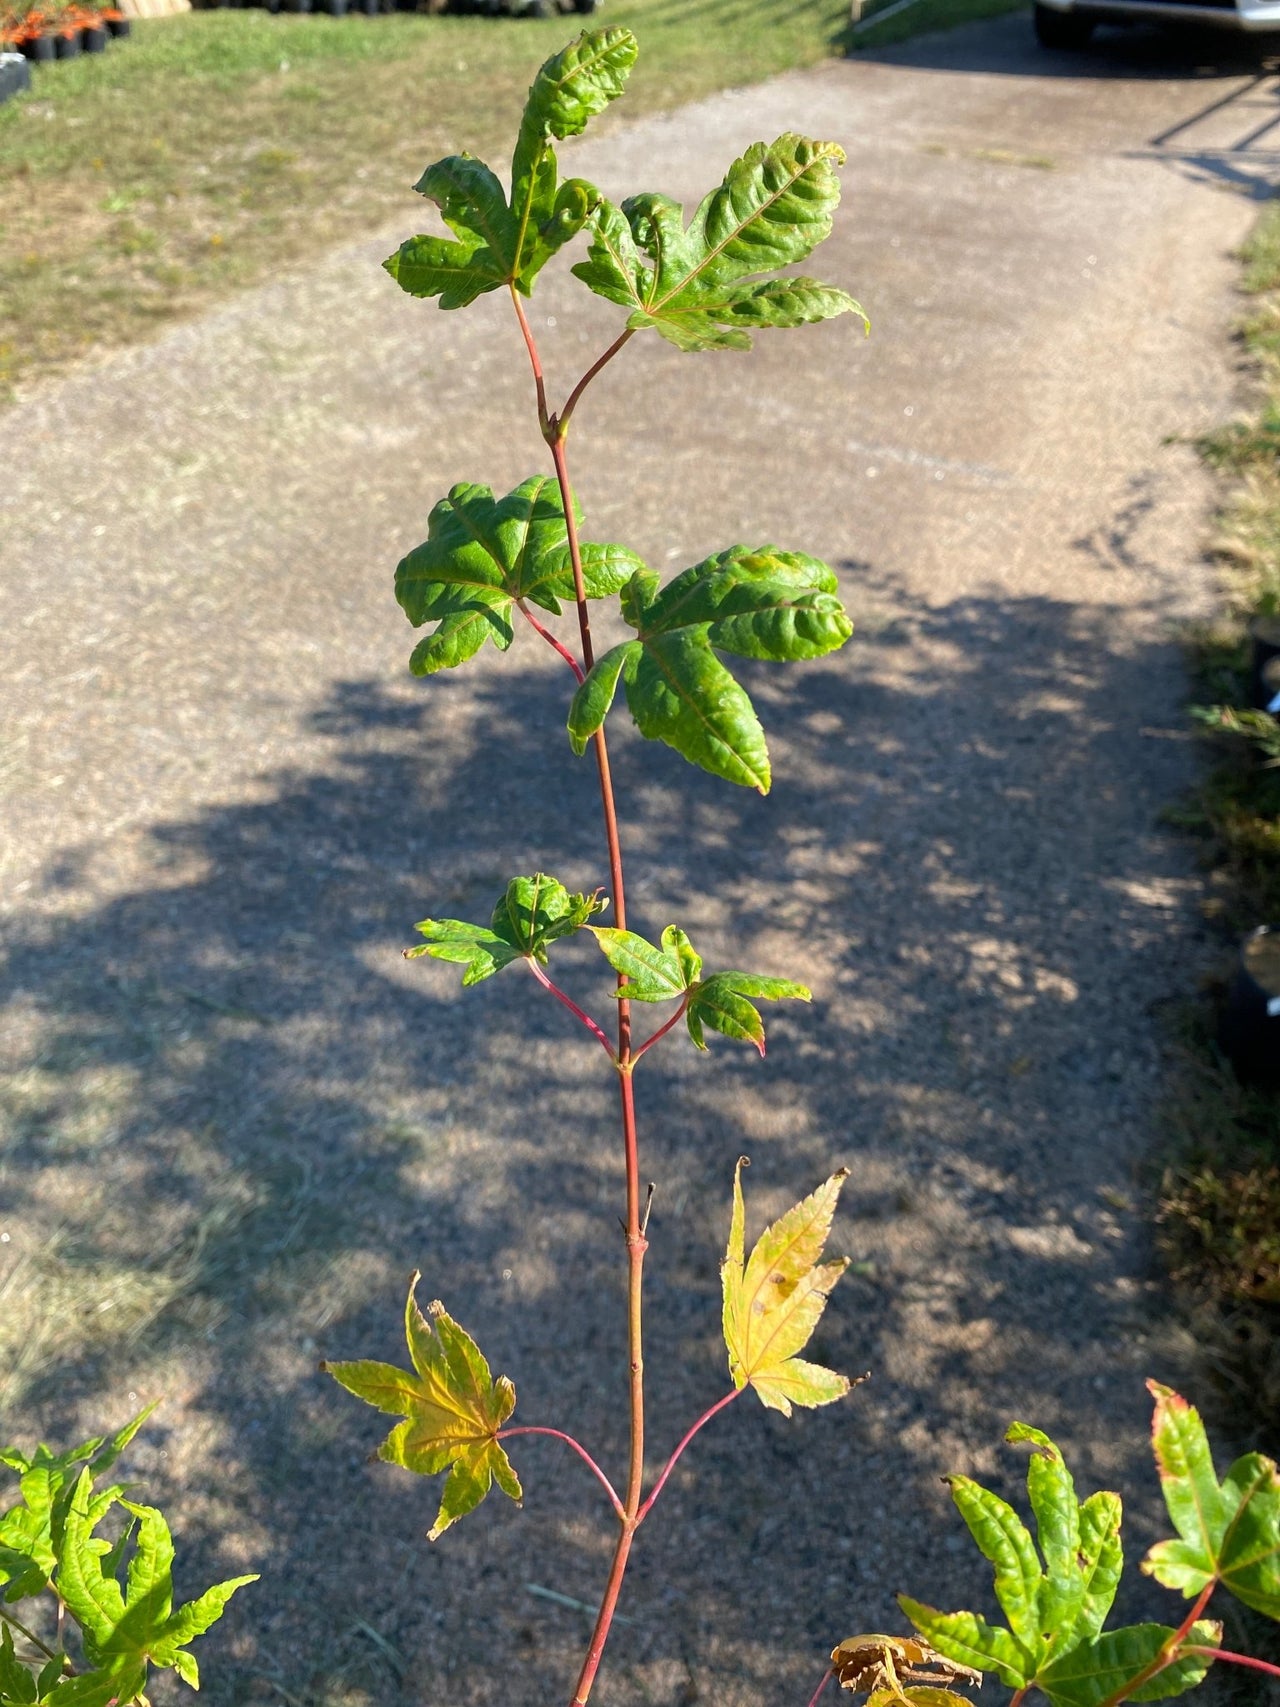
{"x": 68, "y": 47}
{"x": 15, "y": 75}
{"x": 1264, "y": 673}
{"x": 1250, "y": 1030}
{"x": 93, "y": 38}
{"x": 119, "y": 26}
{"x": 42, "y": 48}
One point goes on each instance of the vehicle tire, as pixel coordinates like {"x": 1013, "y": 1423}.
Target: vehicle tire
{"x": 1062, "y": 30}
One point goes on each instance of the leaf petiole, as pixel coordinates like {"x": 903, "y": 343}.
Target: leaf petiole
{"x": 1169, "y": 1654}
{"x": 544, "y": 420}
{"x": 701, "y": 1423}
{"x": 661, "y": 1031}
{"x": 572, "y": 1006}
{"x": 817, "y": 1694}
{"x": 1233, "y": 1659}
{"x": 551, "y": 640}
{"x": 561, "y": 421}
{"x": 588, "y": 1460}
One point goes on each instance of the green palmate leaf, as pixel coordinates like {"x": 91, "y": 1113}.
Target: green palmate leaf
{"x": 17, "y": 1683}
{"x": 721, "y": 1003}
{"x": 31, "y": 1530}
{"x": 774, "y": 1300}
{"x": 1057, "y": 1598}
{"x": 571, "y": 88}
{"x": 653, "y": 974}
{"x": 125, "y": 1628}
{"x": 1060, "y": 1591}
{"x": 1101, "y": 1560}
{"x": 1230, "y": 1530}
{"x": 533, "y": 912}
{"x": 452, "y": 1406}
{"x": 761, "y": 603}
{"x": 483, "y": 555}
{"x": 22, "y": 1687}
{"x": 497, "y": 241}
{"x": 674, "y": 970}
{"x": 1103, "y": 1669}
{"x": 1004, "y": 1540}
{"x": 969, "y": 1640}
{"x": 699, "y": 285}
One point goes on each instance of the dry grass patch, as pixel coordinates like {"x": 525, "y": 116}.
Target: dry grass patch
{"x": 214, "y": 149}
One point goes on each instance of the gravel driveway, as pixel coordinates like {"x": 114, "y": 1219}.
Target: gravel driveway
{"x": 237, "y": 1118}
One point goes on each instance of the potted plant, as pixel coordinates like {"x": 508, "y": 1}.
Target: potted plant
{"x": 34, "y": 37}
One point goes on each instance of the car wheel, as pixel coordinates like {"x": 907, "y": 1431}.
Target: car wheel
{"x": 1062, "y": 29}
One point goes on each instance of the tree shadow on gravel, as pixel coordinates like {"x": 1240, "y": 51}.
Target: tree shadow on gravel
{"x": 237, "y": 1119}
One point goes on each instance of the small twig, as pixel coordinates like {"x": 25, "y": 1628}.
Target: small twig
{"x": 1232, "y": 1659}
{"x": 572, "y": 1006}
{"x": 551, "y": 640}
{"x": 48, "y": 1652}
{"x": 587, "y": 1459}
{"x": 817, "y": 1694}
{"x": 674, "y": 1459}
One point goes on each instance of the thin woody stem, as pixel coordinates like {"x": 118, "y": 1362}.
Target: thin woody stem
{"x": 1020, "y": 1697}
{"x": 558, "y": 1434}
{"x": 572, "y": 1006}
{"x": 48, "y": 1652}
{"x": 551, "y": 640}
{"x": 661, "y": 1032}
{"x": 826, "y": 1679}
{"x": 671, "y": 1463}
{"x": 1233, "y": 1659}
{"x": 637, "y": 1244}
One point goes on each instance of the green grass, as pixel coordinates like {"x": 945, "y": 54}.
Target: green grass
{"x": 924, "y": 16}
{"x": 212, "y": 149}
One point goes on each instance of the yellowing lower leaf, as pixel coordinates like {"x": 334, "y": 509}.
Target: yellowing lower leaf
{"x": 772, "y": 1303}
{"x": 452, "y": 1406}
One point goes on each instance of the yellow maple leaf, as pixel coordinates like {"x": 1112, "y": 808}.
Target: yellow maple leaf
{"x": 772, "y": 1302}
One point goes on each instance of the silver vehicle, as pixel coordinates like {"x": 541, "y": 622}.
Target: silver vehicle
{"x": 1070, "y": 23}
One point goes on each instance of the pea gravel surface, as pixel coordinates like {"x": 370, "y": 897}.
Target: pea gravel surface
{"x": 235, "y": 1117}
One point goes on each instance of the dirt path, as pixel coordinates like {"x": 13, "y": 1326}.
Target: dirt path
{"x": 226, "y": 802}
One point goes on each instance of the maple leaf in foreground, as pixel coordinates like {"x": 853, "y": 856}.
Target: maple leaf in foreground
{"x": 452, "y": 1406}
